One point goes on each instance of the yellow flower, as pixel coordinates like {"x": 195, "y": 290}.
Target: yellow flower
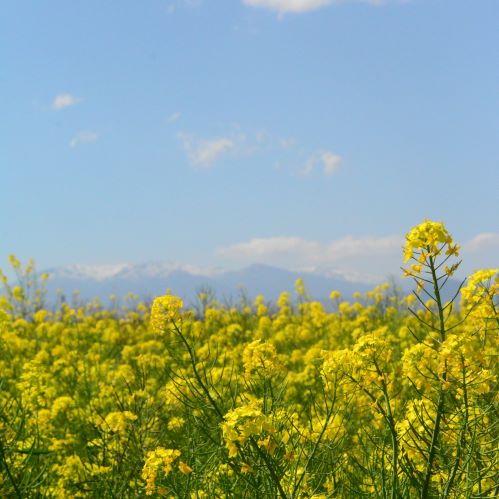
{"x": 163, "y": 310}
{"x": 160, "y": 459}
{"x": 260, "y": 358}
{"x": 477, "y": 297}
{"x": 184, "y": 468}
{"x": 14, "y": 262}
{"x": 246, "y": 468}
{"x": 300, "y": 287}
{"x": 242, "y": 423}
{"x": 18, "y": 293}
{"x": 283, "y": 300}
{"x": 175, "y": 423}
{"x": 426, "y": 238}
{"x": 61, "y": 405}
{"x": 268, "y": 443}
{"x": 118, "y": 422}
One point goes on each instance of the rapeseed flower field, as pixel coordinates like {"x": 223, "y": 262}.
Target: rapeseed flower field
{"x": 381, "y": 396}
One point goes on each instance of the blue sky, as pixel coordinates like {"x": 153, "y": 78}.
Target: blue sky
{"x": 301, "y": 133}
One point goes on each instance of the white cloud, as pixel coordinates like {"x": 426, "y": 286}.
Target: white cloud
{"x": 238, "y": 143}
{"x": 64, "y": 100}
{"x": 367, "y": 257}
{"x": 269, "y": 247}
{"x": 349, "y": 255}
{"x": 330, "y": 163}
{"x": 350, "y": 246}
{"x": 480, "y": 252}
{"x": 204, "y": 152}
{"x": 307, "y": 252}
{"x": 174, "y": 117}
{"x": 84, "y": 137}
{"x": 298, "y": 6}
{"x": 483, "y": 241}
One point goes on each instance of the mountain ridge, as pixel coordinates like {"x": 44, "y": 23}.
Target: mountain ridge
{"x": 148, "y": 280}
{"x": 154, "y": 278}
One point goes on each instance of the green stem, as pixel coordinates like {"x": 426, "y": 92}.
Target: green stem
{"x": 393, "y": 432}
{"x": 462, "y": 440}
{"x": 313, "y": 452}
{"x": 272, "y": 472}
{"x": 9, "y": 474}
{"x": 441, "y": 399}
{"x": 196, "y": 373}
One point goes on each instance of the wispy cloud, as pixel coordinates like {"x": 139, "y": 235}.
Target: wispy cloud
{"x": 329, "y": 161}
{"x": 62, "y": 101}
{"x": 299, "y": 6}
{"x": 237, "y": 143}
{"x": 174, "y": 117}
{"x": 483, "y": 241}
{"x": 351, "y": 254}
{"x": 258, "y": 248}
{"x": 480, "y": 252}
{"x": 204, "y": 152}
{"x": 309, "y": 252}
{"x": 83, "y": 137}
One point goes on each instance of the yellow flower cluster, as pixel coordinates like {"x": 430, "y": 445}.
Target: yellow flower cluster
{"x": 164, "y": 309}
{"x": 479, "y": 298}
{"x": 428, "y": 239}
{"x": 118, "y": 422}
{"x": 260, "y": 359}
{"x": 242, "y": 423}
{"x": 159, "y": 460}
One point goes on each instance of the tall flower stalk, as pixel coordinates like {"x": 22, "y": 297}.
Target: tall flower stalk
{"x": 430, "y": 246}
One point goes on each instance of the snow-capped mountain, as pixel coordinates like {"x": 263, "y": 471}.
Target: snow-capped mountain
{"x": 151, "y": 279}
{"x": 102, "y": 272}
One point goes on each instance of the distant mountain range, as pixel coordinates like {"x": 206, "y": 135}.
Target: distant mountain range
{"x": 153, "y": 279}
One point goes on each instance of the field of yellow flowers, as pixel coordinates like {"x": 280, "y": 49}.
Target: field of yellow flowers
{"x": 384, "y": 396}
